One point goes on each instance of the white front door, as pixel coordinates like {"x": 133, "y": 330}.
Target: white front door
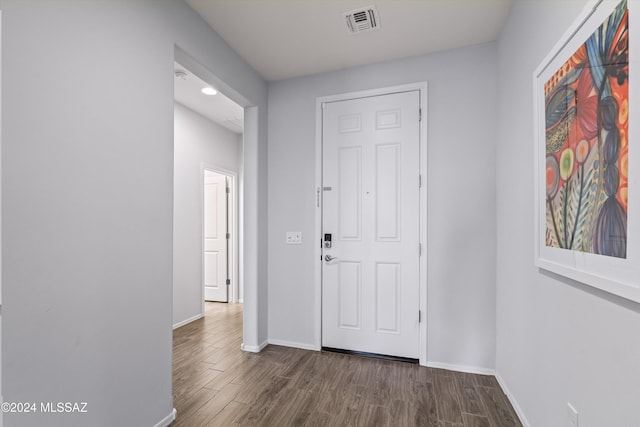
{"x": 215, "y": 237}
{"x": 371, "y": 167}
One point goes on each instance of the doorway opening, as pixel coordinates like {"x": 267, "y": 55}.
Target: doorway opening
{"x": 208, "y": 177}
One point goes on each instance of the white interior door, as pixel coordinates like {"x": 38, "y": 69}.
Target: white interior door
{"x": 370, "y": 289}
{"x": 215, "y": 237}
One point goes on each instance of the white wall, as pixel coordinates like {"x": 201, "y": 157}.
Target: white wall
{"x": 558, "y": 341}
{"x": 197, "y": 141}
{"x": 461, "y": 187}
{"x": 87, "y": 199}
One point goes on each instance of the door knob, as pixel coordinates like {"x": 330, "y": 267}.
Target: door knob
{"x": 329, "y": 258}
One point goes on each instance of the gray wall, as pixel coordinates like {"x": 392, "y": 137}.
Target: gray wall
{"x": 87, "y": 197}
{"x": 558, "y": 341}
{"x": 197, "y": 142}
{"x": 461, "y": 197}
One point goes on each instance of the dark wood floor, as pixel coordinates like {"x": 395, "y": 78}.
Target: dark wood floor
{"x": 217, "y": 384}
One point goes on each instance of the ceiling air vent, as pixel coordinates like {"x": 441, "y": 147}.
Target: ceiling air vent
{"x": 364, "y": 19}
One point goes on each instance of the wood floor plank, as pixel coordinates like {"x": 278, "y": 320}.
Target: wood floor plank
{"x": 426, "y": 412}
{"x": 295, "y": 367}
{"x": 215, "y": 384}
{"x": 269, "y": 398}
{"x": 446, "y": 384}
{"x": 306, "y": 408}
{"x": 401, "y": 412}
{"x": 290, "y": 409}
{"x": 184, "y": 387}
{"x": 219, "y": 401}
{"x": 499, "y": 411}
{"x": 227, "y": 376}
{"x": 471, "y": 420}
{"x": 470, "y": 401}
{"x": 448, "y": 407}
{"x": 353, "y": 405}
{"x": 194, "y": 401}
{"x": 319, "y": 419}
{"x": 228, "y": 416}
{"x": 333, "y": 398}
{"x": 487, "y": 381}
{"x": 378, "y": 386}
{"x": 377, "y": 416}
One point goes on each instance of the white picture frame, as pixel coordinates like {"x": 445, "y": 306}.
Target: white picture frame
{"x": 570, "y": 159}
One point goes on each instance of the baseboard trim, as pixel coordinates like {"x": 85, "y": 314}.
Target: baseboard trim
{"x": 189, "y": 320}
{"x": 294, "y": 344}
{"x": 167, "y": 420}
{"x": 461, "y": 368}
{"x": 513, "y": 401}
{"x": 254, "y": 348}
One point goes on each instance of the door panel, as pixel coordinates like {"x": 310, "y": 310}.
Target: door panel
{"x": 215, "y": 237}
{"x": 387, "y": 192}
{"x": 350, "y": 284}
{"x": 370, "y": 289}
{"x": 350, "y": 212}
{"x": 211, "y": 269}
{"x": 388, "y": 298}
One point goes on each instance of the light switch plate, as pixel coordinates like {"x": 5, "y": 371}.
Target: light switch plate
{"x": 294, "y": 237}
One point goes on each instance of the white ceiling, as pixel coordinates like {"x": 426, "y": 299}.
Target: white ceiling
{"x": 217, "y": 108}
{"x": 290, "y": 38}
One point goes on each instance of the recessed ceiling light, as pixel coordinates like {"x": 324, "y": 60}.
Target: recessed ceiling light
{"x": 209, "y": 91}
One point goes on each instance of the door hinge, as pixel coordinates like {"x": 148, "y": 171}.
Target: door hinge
{"x": 228, "y": 190}
{"x": 419, "y": 114}
{"x": 228, "y": 236}
{"x": 419, "y": 180}
{"x": 419, "y": 249}
{"x": 419, "y": 316}
{"x": 228, "y": 282}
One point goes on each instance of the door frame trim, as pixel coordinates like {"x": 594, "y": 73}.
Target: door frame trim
{"x": 421, "y": 87}
{"x": 233, "y": 293}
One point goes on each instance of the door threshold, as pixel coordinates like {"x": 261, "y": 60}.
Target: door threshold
{"x": 371, "y": 355}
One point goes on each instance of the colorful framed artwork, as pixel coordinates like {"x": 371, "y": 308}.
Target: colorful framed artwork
{"x": 586, "y": 143}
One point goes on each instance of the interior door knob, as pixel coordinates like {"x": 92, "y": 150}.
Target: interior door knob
{"x": 329, "y": 258}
